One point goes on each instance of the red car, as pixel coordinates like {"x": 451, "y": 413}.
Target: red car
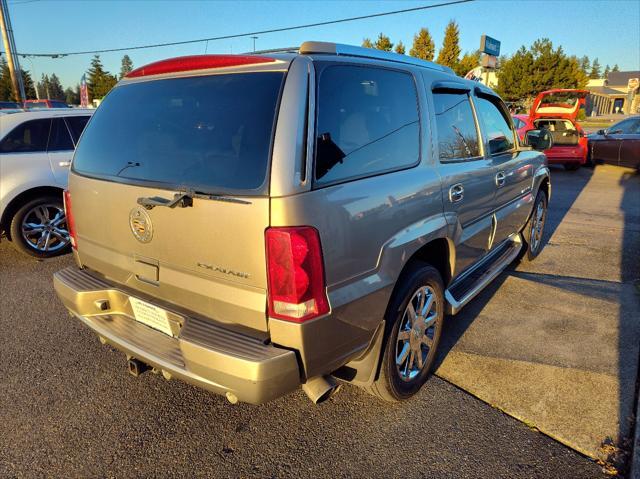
{"x": 31, "y": 104}
{"x": 523, "y": 124}
{"x": 557, "y": 110}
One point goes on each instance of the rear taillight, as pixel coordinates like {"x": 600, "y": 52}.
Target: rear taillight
{"x": 295, "y": 274}
{"x": 71, "y": 224}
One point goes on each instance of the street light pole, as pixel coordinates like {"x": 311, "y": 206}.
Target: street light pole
{"x": 254, "y": 43}
{"x": 10, "y": 49}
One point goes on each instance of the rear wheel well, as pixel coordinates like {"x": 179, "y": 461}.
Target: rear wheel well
{"x": 23, "y": 198}
{"x": 437, "y": 254}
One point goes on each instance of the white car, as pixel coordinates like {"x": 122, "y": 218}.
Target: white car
{"x": 36, "y": 148}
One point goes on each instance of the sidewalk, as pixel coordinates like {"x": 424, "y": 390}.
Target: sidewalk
{"x": 555, "y": 343}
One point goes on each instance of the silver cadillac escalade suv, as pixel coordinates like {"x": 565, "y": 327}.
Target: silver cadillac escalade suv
{"x": 253, "y": 224}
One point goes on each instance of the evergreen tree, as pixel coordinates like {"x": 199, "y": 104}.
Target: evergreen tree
{"x": 585, "y": 64}
{"x": 126, "y": 67}
{"x": 449, "y": 54}
{"x": 383, "y": 43}
{"x": 595, "y": 69}
{"x": 423, "y": 46}
{"x": 367, "y": 43}
{"x": 468, "y": 62}
{"x": 56, "y": 92}
{"x": 99, "y": 81}
{"x": 607, "y": 69}
{"x": 6, "y": 88}
{"x": 72, "y": 95}
{"x": 615, "y": 68}
{"x": 43, "y": 87}
{"x": 400, "y": 48}
{"x": 515, "y": 75}
{"x": 541, "y": 67}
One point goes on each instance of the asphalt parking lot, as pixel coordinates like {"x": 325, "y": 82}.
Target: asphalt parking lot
{"x": 68, "y": 408}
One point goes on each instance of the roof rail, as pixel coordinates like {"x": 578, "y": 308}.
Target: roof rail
{"x": 273, "y": 50}
{"x": 352, "y": 51}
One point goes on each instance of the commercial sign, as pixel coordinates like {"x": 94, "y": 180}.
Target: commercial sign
{"x": 489, "y": 45}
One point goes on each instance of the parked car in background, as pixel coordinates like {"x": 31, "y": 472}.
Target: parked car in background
{"x": 36, "y": 148}
{"x": 523, "y": 124}
{"x": 253, "y": 224}
{"x": 9, "y": 105}
{"x": 557, "y": 111}
{"x": 31, "y": 104}
{"x": 617, "y": 145}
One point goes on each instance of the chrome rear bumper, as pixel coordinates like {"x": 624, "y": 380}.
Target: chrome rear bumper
{"x": 200, "y": 352}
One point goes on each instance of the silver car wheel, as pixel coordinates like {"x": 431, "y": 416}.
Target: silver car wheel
{"x": 537, "y": 226}
{"x": 44, "y": 228}
{"x": 416, "y": 333}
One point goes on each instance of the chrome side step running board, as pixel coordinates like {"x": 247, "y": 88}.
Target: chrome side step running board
{"x": 468, "y": 286}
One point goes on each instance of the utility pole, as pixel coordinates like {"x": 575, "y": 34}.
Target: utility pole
{"x": 254, "y": 43}
{"x": 10, "y": 50}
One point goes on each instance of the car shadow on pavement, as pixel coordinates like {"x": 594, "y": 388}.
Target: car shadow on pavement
{"x": 624, "y": 293}
{"x": 567, "y": 186}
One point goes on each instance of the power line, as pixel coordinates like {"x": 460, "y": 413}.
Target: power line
{"x": 247, "y": 34}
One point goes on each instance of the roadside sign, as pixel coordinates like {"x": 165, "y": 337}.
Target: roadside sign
{"x": 489, "y": 45}
{"x": 84, "y": 92}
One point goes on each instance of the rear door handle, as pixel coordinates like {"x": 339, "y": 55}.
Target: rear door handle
{"x": 456, "y": 193}
{"x": 500, "y": 178}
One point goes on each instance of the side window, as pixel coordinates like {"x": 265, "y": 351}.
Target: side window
{"x": 76, "y": 125}
{"x": 59, "y": 139}
{"x": 496, "y": 126}
{"x": 30, "y": 136}
{"x": 457, "y": 132}
{"x": 627, "y": 127}
{"x": 367, "y": 123}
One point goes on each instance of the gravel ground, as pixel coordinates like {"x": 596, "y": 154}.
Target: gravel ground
{"x": 68, "y": 408}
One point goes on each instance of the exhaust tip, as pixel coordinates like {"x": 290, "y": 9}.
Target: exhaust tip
{"x": 320, "y": 388}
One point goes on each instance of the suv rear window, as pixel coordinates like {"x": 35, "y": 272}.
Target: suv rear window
{"x": 367, "y": 123}
{"x": 210, "y": 134}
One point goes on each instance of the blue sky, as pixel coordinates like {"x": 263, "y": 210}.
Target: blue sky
{"x": 608, "y": 30}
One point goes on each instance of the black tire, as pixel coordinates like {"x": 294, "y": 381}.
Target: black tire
{"x": 532, "y": 247}
{"x": 390, "y": 385}
{"x": 571, "y": 166}
{"x": 56, "y": 247}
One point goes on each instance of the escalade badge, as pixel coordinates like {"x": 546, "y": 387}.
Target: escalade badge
{"x": 140, "y": 224}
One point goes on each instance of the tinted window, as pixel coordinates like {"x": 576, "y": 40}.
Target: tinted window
{"x": 76, "y": 124}
{"x": 496, "y": 126}
{"x": 59, "y": 139}
{"x": 30, "y": 136}
{"x": 518, "y": 123}
{"x": 210, "y": 133}
{"x": 627, "y": 127}
{"x": 59, "y": 104}
{"x": 367, "y": 123}
{"x": 457, "y": 133}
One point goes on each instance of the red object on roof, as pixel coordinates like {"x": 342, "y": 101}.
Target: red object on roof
{"x": 197, "y": 62}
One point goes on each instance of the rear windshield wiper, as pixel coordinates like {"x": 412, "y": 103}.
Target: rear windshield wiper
{"x": 185, "y": 199}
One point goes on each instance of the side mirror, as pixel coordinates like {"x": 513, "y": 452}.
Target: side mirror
{"x": 602, "y": 132}
{"x": 539, "y": 140}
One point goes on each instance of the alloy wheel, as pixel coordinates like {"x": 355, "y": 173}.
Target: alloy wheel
{"x": 44, "y": 228}
{"x": 416, "y": 333}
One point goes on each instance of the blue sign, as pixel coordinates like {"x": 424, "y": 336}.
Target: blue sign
{"x": 489, "y": 45}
